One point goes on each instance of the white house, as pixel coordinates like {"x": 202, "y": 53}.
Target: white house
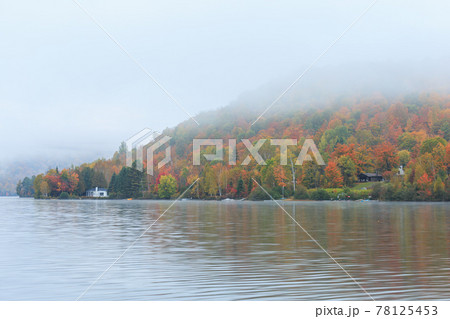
{"x": 97, "y": 192}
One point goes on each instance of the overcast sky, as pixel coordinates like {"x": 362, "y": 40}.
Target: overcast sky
{"x": 67, "y": 90}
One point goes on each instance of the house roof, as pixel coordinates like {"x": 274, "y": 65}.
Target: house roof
{"x": 371, "y": 174}
{"x": 99, "y": 190}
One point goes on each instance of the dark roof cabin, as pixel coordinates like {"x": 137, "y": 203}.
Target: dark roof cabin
{"x": 370, "y": 177}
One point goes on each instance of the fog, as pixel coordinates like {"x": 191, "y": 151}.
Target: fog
{"x": 68, "y": 93}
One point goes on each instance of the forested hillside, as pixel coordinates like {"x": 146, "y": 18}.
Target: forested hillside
{"x": 370, "y": 134}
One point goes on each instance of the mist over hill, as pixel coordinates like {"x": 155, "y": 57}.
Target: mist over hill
{"x": 319, "y": 89}
{"x": 335, "y": 86}
{"x": 325, "y": 88}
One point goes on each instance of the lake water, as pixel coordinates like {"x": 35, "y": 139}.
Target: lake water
{"x": 229, "y": 250}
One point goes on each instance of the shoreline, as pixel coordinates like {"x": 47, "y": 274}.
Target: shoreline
{"x": 228, "y": 200}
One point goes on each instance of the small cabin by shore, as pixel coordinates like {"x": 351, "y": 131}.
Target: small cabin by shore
{"x": 370, "y": 177}
{"x": 97, "y": 192}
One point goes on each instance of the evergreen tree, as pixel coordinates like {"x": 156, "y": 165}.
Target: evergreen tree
{"x": 25, "y": 188}
{"x": 112, "y": 184}
{"x": 250, "y": 185}
{"x": 128, "y": 184}
{"x": 99, "y": 180}
{"x": 240, "y": 187}
{"x": 86, "y": 176}
{"x": 81, "y": 188}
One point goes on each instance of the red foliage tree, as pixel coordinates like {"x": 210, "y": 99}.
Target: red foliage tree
{"x": 385, "y": 157}
{"x": 333, "y": 175}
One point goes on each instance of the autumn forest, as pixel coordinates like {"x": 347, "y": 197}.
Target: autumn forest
{"x": 402, "y": 139}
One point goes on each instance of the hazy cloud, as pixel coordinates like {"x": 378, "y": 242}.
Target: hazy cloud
{"x": 66, "y": 89}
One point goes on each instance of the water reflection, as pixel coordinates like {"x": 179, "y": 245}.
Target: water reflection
{"x": 224, "y": 250}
